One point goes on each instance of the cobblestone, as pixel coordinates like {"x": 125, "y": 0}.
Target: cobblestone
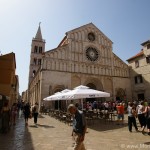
{"x": 51, "y": 134}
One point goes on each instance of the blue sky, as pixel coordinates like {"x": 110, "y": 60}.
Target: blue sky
{"x": 125, "y": 22}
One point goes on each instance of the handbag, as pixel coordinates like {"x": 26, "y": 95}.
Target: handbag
{"x": 30, "y": 115}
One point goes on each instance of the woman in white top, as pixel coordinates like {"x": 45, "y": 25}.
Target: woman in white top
{"x": 141, "y": 116}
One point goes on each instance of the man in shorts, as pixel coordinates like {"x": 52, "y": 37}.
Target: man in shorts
{"x": 120, "y": 113}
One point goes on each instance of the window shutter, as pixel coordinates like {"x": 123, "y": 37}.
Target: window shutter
{"x": 141, "y": 79}
{"x": 135, "y": 79}
{"x": 148, "y": 59}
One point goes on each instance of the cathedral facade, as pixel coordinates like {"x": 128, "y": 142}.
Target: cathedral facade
{"x": 84, "y": 57}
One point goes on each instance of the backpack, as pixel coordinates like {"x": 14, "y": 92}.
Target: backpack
{"x": 34, "y": 109}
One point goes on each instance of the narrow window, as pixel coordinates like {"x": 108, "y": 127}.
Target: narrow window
{"x": 148, "y": 59}
{"x": 40, "y": 49}
{"x": 138, "y": 79}
{"x": 135, "y": 78}
{"x": 34, "y": 73}
{"x": 148, "y": 46}
{"x": 35, "y": 49}
{"x": 39, "y": 61}
{"x": 141, "y": 79}
{"x": 34, "y": 61}
{"x": 136, "y": 63}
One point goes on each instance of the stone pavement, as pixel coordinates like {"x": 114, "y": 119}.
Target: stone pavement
{"x": 51, "y": 134}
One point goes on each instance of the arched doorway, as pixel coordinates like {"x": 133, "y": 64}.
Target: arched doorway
{"x": 91, "y": 86}
{"x": 91, "y": 100}
{"x": 58, "y": 103}
{"x": 120, "y": 94}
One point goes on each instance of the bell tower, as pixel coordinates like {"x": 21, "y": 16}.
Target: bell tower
{"x": 37, "y": 50}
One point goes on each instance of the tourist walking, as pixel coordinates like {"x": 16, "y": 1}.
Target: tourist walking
{"x": 5, "y": 117}
{"x": 141, "y": 115}
{"x": 131, "y": 117}
{"x": 27, "y": 112}
{"x": 79, "y": 127}
{"x": 147, "y": 113}
{"x": 35, "y": 112}
{"x": 19, "y": 105}
{"x": 120, "y": 113}
{"x": 14, "y": 111}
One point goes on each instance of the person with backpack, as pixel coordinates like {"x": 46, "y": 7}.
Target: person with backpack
{"x": 35, "y": 112}
{"x": 26, "y": 111}
{"x": 132, "y": 117}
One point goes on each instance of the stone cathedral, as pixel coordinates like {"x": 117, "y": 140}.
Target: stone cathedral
{"x": 83, "y": 57}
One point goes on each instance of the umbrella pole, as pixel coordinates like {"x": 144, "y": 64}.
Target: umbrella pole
{"x": 82, "y": 103}
{"x": 66, "y": 105}
{"x": 58, "y": 104}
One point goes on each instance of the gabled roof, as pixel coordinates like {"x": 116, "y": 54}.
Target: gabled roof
{"x": 89, "y": 24}
{"x": 141, "y": 53}
{"x": 64, "y": 40}
{"x": 144, "y": 43}
{"x": 81, "y": 27}
{"x": 119, "y": 58}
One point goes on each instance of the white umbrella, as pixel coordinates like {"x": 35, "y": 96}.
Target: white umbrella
{"x": 52, "y": 97}
{"x": 56, "y": 96}
{"x": 83, "y": 92}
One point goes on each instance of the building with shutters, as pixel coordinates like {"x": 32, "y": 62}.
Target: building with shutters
{"x": 140, "y": 73}
{"x": 9, "y": 81}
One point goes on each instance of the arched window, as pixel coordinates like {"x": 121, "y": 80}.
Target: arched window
{"x": 35, "y": 61}
{"x": 40, "y": 49}
{"x": 35, "y": 49}
{"x": 34, "y": 72}
{"x": 39, "y": 61}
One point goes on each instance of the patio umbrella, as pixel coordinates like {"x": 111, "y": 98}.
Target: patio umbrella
{"x": 81, "y": 92}
{"x": 52, "y": 97}
{"x": 56, "y": 96}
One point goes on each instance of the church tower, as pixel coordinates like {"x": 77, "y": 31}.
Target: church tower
{"x": 37, "y": 49}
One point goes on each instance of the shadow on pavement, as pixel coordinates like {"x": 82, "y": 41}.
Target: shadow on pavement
{"x": 147, "y": 143}
{"x": 17, "y": 138}
{"x": 45, "y": 126}
{"x": 41, "y": 125}
{"x": 102, "y": 125}
{"x": 40, "y": 116}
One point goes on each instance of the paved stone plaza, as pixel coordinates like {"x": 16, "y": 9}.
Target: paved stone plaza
{"x": 51, "y": 134}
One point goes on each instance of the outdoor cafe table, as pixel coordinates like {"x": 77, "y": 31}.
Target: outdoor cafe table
{"x": 112, "y": 115}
